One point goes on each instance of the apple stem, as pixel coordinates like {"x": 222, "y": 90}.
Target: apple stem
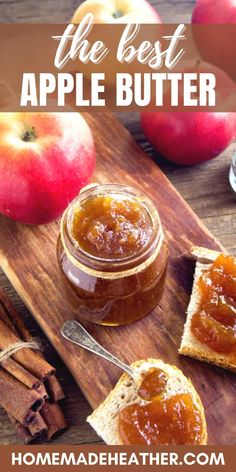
{"x": 29, "y": 135}
{"x": 117, "y": 14}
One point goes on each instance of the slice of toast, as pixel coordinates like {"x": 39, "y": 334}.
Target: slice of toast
{"x": 190, "y": 345}
{"x": 104, "y": 419}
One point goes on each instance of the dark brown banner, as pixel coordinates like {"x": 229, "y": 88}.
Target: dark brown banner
{"x": 125, "y": 67}
{"x": 112, "y": 458}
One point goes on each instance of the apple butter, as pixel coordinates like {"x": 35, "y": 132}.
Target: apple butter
{"x": 163, "y": 419}
{"x": 111, "y": 227}
{"x": 214, "y": 324}
{"x": 153, "y": 384}
{"x": 113, "y": 254}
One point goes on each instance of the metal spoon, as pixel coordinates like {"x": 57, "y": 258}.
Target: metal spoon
{"x": 76, "y": 333}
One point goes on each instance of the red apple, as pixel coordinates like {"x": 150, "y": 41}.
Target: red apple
{"x": 214, "y": 11}
{"x": 45, "y": 159}
{"x": 193, "y": 137}
{"x": 189, "y": 138}
{"x": 216, "y": 45}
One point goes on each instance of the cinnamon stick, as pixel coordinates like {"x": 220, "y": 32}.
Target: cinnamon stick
{"x": 36, "y": 429}
{"x": 35, "y": 364}
{"x": 50, "y": 415}
{"x": 54, "y": 388}
{"x": 37, "y": 426}
{"x": 41, "y": 389}
{"x": 21, "y": 374}
{"x": 22, "y": 432}
{"x": 13, "y": 317}
{"x": 17, "y": 399}
{"x": 53, "y": 418}
{"x": 4, "y": 316}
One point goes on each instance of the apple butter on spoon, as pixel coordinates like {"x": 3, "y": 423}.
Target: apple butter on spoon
{"x": 148, "y": 384}
{"x": 159, "y": 417}
{"x": 162, "y": 419}
{"x": 153, "y": 384}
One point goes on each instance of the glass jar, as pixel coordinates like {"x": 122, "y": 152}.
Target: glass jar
{"x": 114, "y": 291}
{"x": 232, "y": 172}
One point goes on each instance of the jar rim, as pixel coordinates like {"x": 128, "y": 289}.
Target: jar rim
{"x": 114, "y": 264}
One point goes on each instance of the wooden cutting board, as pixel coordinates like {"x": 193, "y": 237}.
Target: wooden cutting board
{"x": 28, "y": 257}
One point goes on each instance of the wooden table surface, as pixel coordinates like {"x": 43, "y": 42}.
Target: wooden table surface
{"x": 206, "y": 188}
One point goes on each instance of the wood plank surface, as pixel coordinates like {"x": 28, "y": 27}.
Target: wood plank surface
{"x": 205, "y": 188}
{"x": 28, "y": 257}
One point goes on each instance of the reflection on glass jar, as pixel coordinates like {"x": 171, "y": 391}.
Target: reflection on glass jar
{"x": 232, "y": 173}
{"x": 113, "y": 254}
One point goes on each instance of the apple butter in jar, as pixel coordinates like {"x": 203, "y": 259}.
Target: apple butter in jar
{"x": 112, "y": 253}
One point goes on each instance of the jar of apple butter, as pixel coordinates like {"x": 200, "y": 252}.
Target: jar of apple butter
{"x": 112, "y": 253}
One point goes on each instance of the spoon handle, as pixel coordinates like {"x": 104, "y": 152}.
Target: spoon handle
{"x": 76, "y": 333}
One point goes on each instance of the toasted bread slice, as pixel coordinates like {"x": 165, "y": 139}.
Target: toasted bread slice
{"x": 190, "y": 345}
{"x": 104, "y": 419}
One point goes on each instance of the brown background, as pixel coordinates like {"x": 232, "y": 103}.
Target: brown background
{"x": 229, "y": 457}
{"x": 34, "y": 50}
{"x": 205, "y": 187}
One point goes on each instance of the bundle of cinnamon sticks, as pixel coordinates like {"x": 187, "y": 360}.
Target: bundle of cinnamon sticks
{"x": 29, "y": 389}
